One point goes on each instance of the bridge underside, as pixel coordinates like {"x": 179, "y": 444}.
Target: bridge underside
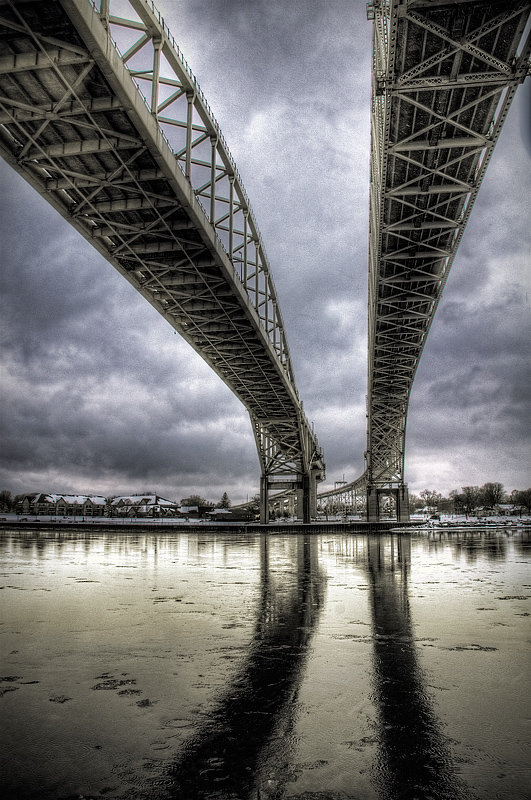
{"x": 444, "y": 75}
{"x": 175, "y": 220}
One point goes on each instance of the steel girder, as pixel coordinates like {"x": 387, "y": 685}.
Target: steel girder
{"x": 352, "y": 494}
{"x": 146, "y": 176}
{"x": 444, "y": 75}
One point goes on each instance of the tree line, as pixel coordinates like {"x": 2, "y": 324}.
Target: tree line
{"x": 471, "y": 497}
{"x": 197, "y": 500}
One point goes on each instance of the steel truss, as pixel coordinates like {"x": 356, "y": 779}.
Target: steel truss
{"x": 444, "y": 76}
{"x": 125, "y": 147}
{"x": 346, "y": 498}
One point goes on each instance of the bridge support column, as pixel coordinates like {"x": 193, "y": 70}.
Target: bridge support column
{"x": 264, "y": 500}
{"x": 373, "y": 505}
{"x": 402, "y": 504}
{"x": 291, "y": 505}
{"x": 401, "y": 497}
{"x": 313, "y": 493}
{"x": 303, "y": 500}
{"x": 306, "y": 499}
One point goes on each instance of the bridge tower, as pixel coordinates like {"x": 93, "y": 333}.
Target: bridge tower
{"x": 444, "y": 75}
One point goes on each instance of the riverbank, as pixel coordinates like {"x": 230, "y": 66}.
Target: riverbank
{"x": 121, "y": 526}
{"x": 103, "y": 525}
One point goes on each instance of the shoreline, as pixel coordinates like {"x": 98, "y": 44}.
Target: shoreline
{"x": 169, "y": 526}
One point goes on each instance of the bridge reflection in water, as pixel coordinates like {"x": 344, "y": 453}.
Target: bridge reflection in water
{"x": 414, "y": 760}
{"x": 246, "y": 748}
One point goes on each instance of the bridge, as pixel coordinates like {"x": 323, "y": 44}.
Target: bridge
{"x": 444, "y": 76}
{"x": 146, "y": 176}
{"x": 102, "y": 115}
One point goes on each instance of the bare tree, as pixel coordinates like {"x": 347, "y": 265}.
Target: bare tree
{"x": 492, "y": 494}
{"x": 471, "y": 495}
{"x": 457, "y": 499}
{"x": 415, "y": 502}
{"x": 431, "y": 497}
{"x": 6, "y": 501}
{"x": 523, "y": 499}
{"x": 195, "y": 500}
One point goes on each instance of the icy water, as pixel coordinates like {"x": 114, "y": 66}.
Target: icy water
{"x": 228, "y": 666}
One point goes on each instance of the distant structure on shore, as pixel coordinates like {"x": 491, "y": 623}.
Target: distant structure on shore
{"x": 61, "y": 505}
{"x": 131, "y": 506}
{"x": 141, "y": 505}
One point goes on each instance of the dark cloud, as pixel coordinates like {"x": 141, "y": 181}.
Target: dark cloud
{"x": 98, "y": 391}
{"x": 100, "y": 395}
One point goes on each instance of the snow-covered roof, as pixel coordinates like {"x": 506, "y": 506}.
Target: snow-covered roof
{"x": 70, "y": 499}
{"x": 142, "y": 500}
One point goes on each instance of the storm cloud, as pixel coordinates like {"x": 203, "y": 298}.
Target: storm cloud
{"x": 100, "y": 395}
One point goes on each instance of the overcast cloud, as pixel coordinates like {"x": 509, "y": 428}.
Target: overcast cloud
{"x": 99, "y": 394}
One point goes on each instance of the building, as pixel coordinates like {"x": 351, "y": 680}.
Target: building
{"x": 61, "y": 505}
{"x": 142, "y": 505}
{"x": 231, "y": 515}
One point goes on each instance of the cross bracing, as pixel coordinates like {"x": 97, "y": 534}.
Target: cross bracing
{"x": 125, "y": 147}
{"x": 350, "y": 497}
{"x": 444, "y": 75}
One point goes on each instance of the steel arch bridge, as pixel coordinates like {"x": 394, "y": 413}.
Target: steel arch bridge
{"x": 444, "y": 75}
{"x": 125, "y": 147}
{"x": 121, "y": 141}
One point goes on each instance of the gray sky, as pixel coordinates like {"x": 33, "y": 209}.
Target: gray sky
{"x": 99, "y": 394}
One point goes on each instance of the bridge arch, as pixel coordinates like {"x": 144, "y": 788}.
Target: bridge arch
{"x": 77, "y": 122}
{"x": 444, "y": 77}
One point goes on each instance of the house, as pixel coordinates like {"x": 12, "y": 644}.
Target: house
{"x": 219, "y": 515}
{"x": 74, "y": 505}
{"x": 142, "y": 506}
{"x": 506, "y": 510}
{"x": 24, "y": 503}
{"x": 61, "y": 505}
{"x": 446, "y": 506}
{"x": 189, "y": 511}
{"x": 484, "y": 511}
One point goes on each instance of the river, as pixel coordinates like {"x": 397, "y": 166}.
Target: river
{"x": 234, "y": 666}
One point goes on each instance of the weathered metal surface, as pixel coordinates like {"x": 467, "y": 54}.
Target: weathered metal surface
{"x": 444, "y": 76}
{"x": 146, "y": 176}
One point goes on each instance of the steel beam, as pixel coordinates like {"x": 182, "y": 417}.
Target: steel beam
{"x": 75, "y": 123}
{"x": 444, "y": 75}
{"x": 443, "y": 79}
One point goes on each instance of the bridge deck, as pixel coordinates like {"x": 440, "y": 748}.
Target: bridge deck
{"x": 444, "y": 76}
{"x": 75, "y": 125}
